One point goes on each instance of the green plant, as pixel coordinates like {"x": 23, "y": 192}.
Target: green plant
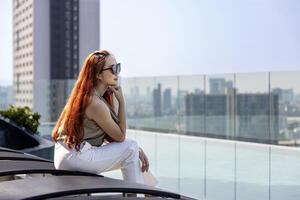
{"x": 23, "y": 116}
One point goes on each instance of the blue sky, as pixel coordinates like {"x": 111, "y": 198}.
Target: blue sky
{"x": 176, "y": 37}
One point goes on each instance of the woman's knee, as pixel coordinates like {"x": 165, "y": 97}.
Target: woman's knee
{"x": 132, "y": 146}
{"x": 131, "y": 143}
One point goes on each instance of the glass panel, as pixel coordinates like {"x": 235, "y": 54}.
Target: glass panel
{"x": 285, "y": 109}
{"x": 6, "y": 95}
{"x": 166, "y": 104}
{"x": 191, "y": 105}
{"x": 50, "y": 97}
{"x": 168, "y": 161}
{"x": 144, "y": 107}
{"x": 128, "y": 86}
{"x": 219, "y": 170}
{"x": 192, "y": 166}
{"x": 191, "y": 118}
{"x": 47, "y": 106}
{"x": 252, "y": 171}
{"x": 147, "y": 141}
{"x": 45, "y": 128}
{"x": 252, "y": 107}
{"x": 219, "y": 106}
{"x": 285, "y": 173}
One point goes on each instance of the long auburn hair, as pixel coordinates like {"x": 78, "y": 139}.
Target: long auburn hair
{"x": 71, "y": 118}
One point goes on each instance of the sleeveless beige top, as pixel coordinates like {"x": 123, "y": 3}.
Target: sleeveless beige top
{"x": 93, "y": 133}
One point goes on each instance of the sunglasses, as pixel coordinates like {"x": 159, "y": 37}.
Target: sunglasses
{"x": 115, "y": 69}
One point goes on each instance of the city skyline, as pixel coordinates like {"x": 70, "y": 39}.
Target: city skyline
{"x": 268, "y": 117}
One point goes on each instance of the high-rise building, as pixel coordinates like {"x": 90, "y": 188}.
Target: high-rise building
{"x": 220, "y": 86}
{"x": 285, "y": 95}
{"x": 51, "y": 40}
{"x": 167, "y": 101}
{"x": 256, "y": 117}
{"x": 157, "y": 101}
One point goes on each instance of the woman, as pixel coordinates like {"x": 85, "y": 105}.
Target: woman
{"x": 88, "y": 120}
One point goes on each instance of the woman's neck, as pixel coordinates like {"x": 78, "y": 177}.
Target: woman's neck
{"x": 101, "y": 88}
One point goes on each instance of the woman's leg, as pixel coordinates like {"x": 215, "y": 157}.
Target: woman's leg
{"x": 117, "y": 155}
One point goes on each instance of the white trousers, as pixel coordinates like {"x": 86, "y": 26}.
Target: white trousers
{"x": 116, "y": 155}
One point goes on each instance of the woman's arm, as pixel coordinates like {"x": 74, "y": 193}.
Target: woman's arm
{"x": 121, "y": 111}
{"x": 122, "y": 120}
{"x": 100, "y": 113}
{"x": 122, "y": 116}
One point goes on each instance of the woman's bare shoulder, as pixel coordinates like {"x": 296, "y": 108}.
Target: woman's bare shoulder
{"x": 95, "y": 107}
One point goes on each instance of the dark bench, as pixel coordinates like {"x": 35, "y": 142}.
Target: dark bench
{"x": 63, "y": 183}
{"x": 10, "y": 155}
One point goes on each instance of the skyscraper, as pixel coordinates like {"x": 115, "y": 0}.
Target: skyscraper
{"x": 167, "y": 101}
{"x": 51, "y": 40}
{"x": 254, "y": 121}
{"x": 157, "y": 101}
{"x": 220, "y": 86}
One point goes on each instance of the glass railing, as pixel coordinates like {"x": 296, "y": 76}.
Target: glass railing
{"x": 196, "y": 130}
{"x": 255, "y": 107}
{"x": 208, "y": 168}
{"x": 6, "y": 94}
{"x": 217, "y": 169}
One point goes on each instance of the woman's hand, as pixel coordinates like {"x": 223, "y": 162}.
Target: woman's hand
{"x": 117, "y": 90}
{"x": 144, "y": 160}
{"x": 108, "y": 139}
